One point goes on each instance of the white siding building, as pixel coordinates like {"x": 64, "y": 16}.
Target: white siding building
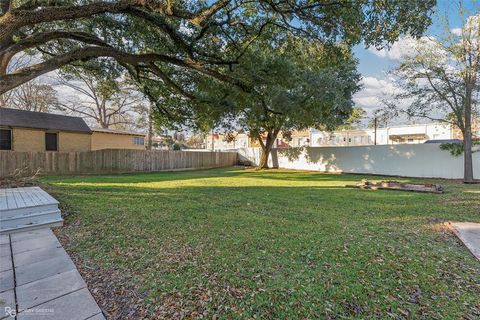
{"x": 417, "y": 133}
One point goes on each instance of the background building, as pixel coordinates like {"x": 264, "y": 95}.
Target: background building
{"x": 300, "y": 138}
{"x": 117, "y": 139}
{"x": 218, "y": 141}
{"x": 417, "y": 133}
{"x": 402, "y": 134}
{"x": 23, "y": 131}
{"x": 37, "y": 132}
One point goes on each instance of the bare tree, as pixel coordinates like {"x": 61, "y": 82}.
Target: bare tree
{"x": 440, "y": 80}
{"x": 108, "y": 103}
{"x": 196, "y": 141}
{"x": 144, "y": 120}
{"x": 30, "y": 96}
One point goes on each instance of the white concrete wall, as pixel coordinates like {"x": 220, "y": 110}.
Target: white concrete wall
{"x": 408, "y": 160}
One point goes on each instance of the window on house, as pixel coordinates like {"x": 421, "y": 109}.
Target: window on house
{"x": 5, "y": 139}
{"x": 138, "y": 140}
{"x": 51, "y": 141}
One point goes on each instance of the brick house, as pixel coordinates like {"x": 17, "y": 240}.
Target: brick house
{"x": 37, "y": 132}
{"x": 116, "y": 139}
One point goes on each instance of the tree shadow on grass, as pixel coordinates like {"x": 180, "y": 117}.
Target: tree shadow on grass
{"x": 145, "y": 177}
{"x": 286, "y": 201}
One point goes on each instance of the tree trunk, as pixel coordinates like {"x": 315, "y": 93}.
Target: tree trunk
{"x": 467, "y": 138}
{"x": 266, "y": 147}
{"x": 468, "y": 162}
{"x": 263, "y": 164}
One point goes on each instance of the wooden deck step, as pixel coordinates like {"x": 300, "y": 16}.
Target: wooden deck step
{"x": 24, "y": 228}
{"x": 25, "y": 208}
{"x": 35, "y": 218}
{"x": 26, "y": 211}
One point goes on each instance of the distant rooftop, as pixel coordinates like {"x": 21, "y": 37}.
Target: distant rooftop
{"x": 41, "y": 120}
{"x": 444, "y": 141}
{"x": 106, "y": 130}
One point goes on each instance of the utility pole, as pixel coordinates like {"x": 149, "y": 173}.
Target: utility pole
{"x": 150, "y": 128}
{"x": 213, "y": 147}
{"x": 375, "y": 131}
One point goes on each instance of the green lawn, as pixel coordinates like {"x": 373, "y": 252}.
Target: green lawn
{"x": 272, "y": 244}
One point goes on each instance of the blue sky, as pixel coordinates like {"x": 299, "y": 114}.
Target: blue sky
{"x": 374, "y": 65}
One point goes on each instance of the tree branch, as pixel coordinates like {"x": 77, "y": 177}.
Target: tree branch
{"x": 10, "y": 81}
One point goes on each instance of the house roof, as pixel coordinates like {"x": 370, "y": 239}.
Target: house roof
{"x": 407, "y": 136}
{"x": 158, "y": 139}
{"x": 301, "y": 133}
{"x": 106, "y": 130}
{"x": 444, "y": 141}
{"x": 41, "y": 120}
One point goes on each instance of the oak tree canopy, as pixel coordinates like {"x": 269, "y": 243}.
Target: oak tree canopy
{"x": 158, "y": 39}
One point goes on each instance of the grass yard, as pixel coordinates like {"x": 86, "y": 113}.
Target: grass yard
{"x": 234, "y": 244}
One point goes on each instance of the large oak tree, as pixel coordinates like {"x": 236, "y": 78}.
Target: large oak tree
{"x": 296, "y": 85}
{"x": 156, "y": 40}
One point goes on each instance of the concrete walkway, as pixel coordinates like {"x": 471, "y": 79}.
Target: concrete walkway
{"x": 469, "y": 234}
{"x": 38, "y": 280}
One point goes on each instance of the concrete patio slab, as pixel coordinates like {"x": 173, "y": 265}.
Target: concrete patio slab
{"x": 4, "y": 239}
{"x": 78, "y": 305}
{"x": 29, "y": 257}
{"x": 43, "y": 282}
{"x": 31, "y": 234}
{"x": 469, "y": 234}
{"x": 42, "y": 269}
{"x": 35, "y": 293}
{"x": 97, "y": 317}
{"x": 6, "y": 280}
{"x": 35, "y": 243}
{"x": 5, "y": 250}
{"x": 7, "y": 299}
{"x": 5, "y": 263}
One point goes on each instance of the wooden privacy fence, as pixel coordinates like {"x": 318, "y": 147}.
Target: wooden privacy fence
{"x": 112, "y": 161}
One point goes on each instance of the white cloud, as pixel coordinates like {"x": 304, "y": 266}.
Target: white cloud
{"x": 404, "y": 46}
{"x": 371, "y": 97}
{"x": 471, "y": 26}
{"x": 373, "y": 92}
{"x": 456, "y": 31}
